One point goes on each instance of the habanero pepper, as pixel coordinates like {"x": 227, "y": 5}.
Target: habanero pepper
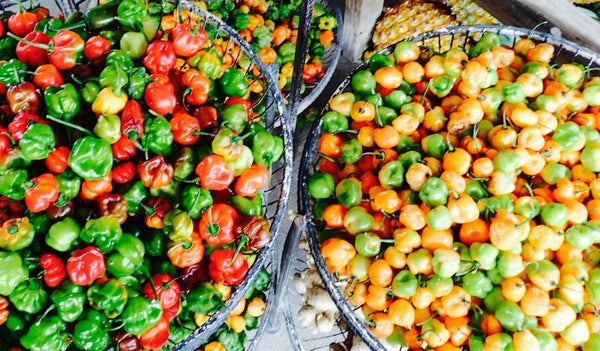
{"x": 62, "y": 234}
{"x": 32, "y": 55}
{"x": 16, "y": 234}
{"x": 54, "y": 269}
{"x": 187, "y": 39}
{"x": 238, "y": 100}
{"x": 177, "y": 225}
{"x": 195, "y": 200}
{"x": 132, "y": 120}
{"x": 65, "y": 49}
{"x": 112, "y": 205}
{"x": 186, "y": 252}
{"x": 92, "y": 189}
{"x": 22, "y": 22}
{"x": 123, "y": 172}
{"x": 134, "y": 193}
{"x": 157, "y": 336}
{"x": 227, "y": 144}
{"x": 95, "y": 47}
{"x": 313, "y": 71}
{"x": 21, "y": 122}
{"x": 37, "y": 142}
{"x": 214, "y": 173}
{"x": 141, "y": 314}
{"x": 217, "y": 223}
{"x": 160, "y": 57}
{"x": 108, "y": 128}
{"x": 69, "y": 300}
{"x": 155, "y": 172}
{"x": 257, "y": 230}
{"x": 233, "y": 83}
{"x": 58, "y": 160}
{"x": 160, "y": 98}
{"x": 23, "y": 97}
{"x": 29, "y": 297}
{"x": 91, "y": 158}
{"x": 109, "y": 102}
{"x": 234, "y": 116}
{"x": 86, "y": 265}
{"x": 156, "y": 208}
{"x": 103, "y": 232}
{"x": 252, "y": 180}
{"x": 167, "y": 289}
{"x": 185, "y": 128}
{"x": 40, "y": 192}
{"x": 198, "y": 86}
{"x": 228, "y": 266}
{"x": 107, "y": 295}
{"x": 123, "y": 149}
{"x": 62, "y": 101}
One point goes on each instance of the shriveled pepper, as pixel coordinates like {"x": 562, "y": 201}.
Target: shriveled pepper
{"x": 156, "y": 208}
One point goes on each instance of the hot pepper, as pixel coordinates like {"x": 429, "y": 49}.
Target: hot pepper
{"x": 313, "y": 71}
{"x": 54, "y": 269}
{"x": 135, "y": 194}
{"x": 157, "y": 336}
{"x": 113, "y": 76}
{"x": 86, "y": 265}
{"x": 134, "y": 44}
{"x": 16, "y": 234}
{"x": 233, "y": 83}
{"x": 123, "y": 149}
{"x": 184, "y": 163}
{"x": 131, "y": 12}
{"x": 234, "y": 116}
{"x": 141, "y": 314}
{"x": 132, "y": 120}
{"x": 31, "y": 55}
{"x": 37, "y": 142}
{"x": 89, "y": 92}
{"x": 214, "y": 173}
{"x": 217, "y": 223}
{"x": 168, "y": 294}
{"x": 62, "y": 234}
{"x": 103, "y": 232}
{"x": 137, "y": 83}
{"x": 95, "y": 47}
{"x": 29, "y": 296}
{"x": 187, "y": 39}
{"x": 156, "y": 208}
{"x": 23, "y": 97}
{"x": 248, "y": 206}
{"x": 108, "y": 128}
{"x": 185, "y": 128}
{"x": 12, "y": 72}
{"x": 266, "y": 148}
{"x": 91, "y": 158}
{"x": 47, "y": 334}
{"x": 155, "y": 172}
{"x": 124, "y": 172}
{"x": 227, "y": 144}
{"x": 107, "y": 295}
{"x": 129, "y": 255}
{"x": 41, "y": 192}
{"x": 195, "y": 200}
{"x": 109, "y": 102}
{"x": 228, "y": 266}
{"x": 12, "y": 183}
{"x": 160, "y": 98}
{"x": 68, "y": 183}
{"x": 199, "y": 86}
{"x": 160, "y": 57}
{"x": 89, "y": 334}
{"x": 65, "y": 49}
{"x": 256, "y": 229}
{"x": 186, "y": 252}
{"x": 157, "y": 135}
{"x": 69, "y": 300}
{"x": 12, "y": 272}
{"x": 208, "y": 64}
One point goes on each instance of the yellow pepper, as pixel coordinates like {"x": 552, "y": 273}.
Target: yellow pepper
{"x": 214, "y": 346}
{"x": 281, "y": 82}
{"x": 225, "y": 290}
{"x": 287, "y": 69}
{"x": 200, "y": 319}
{"x": 342, "y": 103}
{"x": 237, "y": 323}
{"x": 109, "y": 103}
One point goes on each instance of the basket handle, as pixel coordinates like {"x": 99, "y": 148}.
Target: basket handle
{"x": 282, "y": 275}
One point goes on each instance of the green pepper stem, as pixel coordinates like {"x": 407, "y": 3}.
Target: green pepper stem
{"x": 47, "y": 47}
{"x": 186, "y": 245}
{"x": 198, "y": 132}
{"x": 328, "y": 158}
{"x": 151, "y": 281}
{"x": 150, "y": 211}
{"x": 70, "y": 125}
{"x": 76, "y": 25}
{"x": 188, "y": 181}
{"x": 9, "y": 200}
{"x": 243, "y": 241}
{"x": 426, "y": 91}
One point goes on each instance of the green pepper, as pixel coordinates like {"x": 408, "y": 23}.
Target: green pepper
{"x": 334, "y": 122}
{"x": 134, "y": 44}
{"x": 378, "y": 61}
{"x": 113, "y": 76}
{"x": 351, "y": 151}
{"x": 141, "y": 314}
{"x": 91, "y": 158}
{"x": 178, "y": 225}
{"x": 582, "y": 236}
{"x": 204, "y": 299}
{"x": 391, "y": 175}
{"x": 262, "y": 280}
{"x": 62, "y": 101}
{"x": 131, "y": 13}
{"x": 266, "y": 148}
{"x": 235, "y": 117}
{"x": 434, "y": 145}
{"x": 240, "y": 19}
{"x": 103, "y": 232}
{"x": 396, "y": 99}
{"x": 442, "y": 85}
{"x": 242, "y": 162}
{"x": 591, "y": 93}
{"x": 178, "y": 334}
{"x": 546, "y": 340}
{"x": 29, "y": 296}
{"x": 488, "y": 41}
{"x": 434, "y": 192}
{"x": 491, "y": 79}
{"x": 12, "y": 183}
{"x": 37, "y": 142}
{"x": 112, "y": 35}
{"x": 554, "y": 214}
{"x": 513, "y": 93}
{"x": 409, "y": 157}
{"x": 12, "y": 272}
{"x": 69, "y": 300}
{"x": 327, "y": 22}
{"x": 46, "y": 333}
{"x": 317, "y": 50}
{"x": 154, "y": 242}
{"x": 321, "y": 185}
{"x": 170, "y": 191}
{"x": 363, "y": 83}
{"x": 137, "y": 83}
{"x": 248, "y": 206}
{"x": 287, "y": 52}
{"x": 475, "y": 189}
{"x": 208, "y": 64}
{"x": 367, "y": 245}
{"x": 477, "y": 284}
{"x": 195, "y": 200}
{"x": 89, "y": 333}
{"x": 493, "y": 300}
{"x": 12, "y": 72}
{"x": 130, "y": 253}
{"x": 592, "y": 136}
{"x": 509, "y": 264}
{"x": 135, "y": 194}
{"x": 108, "y": 128}
{"x": 157, "y": 135}
{"x": 48, "y": 26}
{"x": 553, "y": 172}
{"x": 185, "y": 162}
{"x": 510, "y": 315}
{"x": 262, "y": 36}
{"x": 439, "y": 218}
{"x": 506, "y": 161}
{"x": 7, "y": 48}
{"x": 121, "y": 58}
{"x": 89, "y": 92}
{"x": 404, "y": 284}
{"x": 233, "y": 83}
{"x": 108, "y": 295}
{"x": 439, "y": 286}
{"x": 484, "y": 254}
{"x": 568, "y": 136}
{"x": 357, "y": 220}
{"x": 349, "y": 192}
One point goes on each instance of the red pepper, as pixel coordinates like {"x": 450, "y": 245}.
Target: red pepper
{"x": 1, "y": 28}
{"x": 187, "y": 39}
{"x": 22, "y": 22}
{"x": 21, "y": 122}
{"x": 132, "y": 120}
{"x": 157, "y": 336}
{"x": 228, "y": 266}
{"x": 198, "y": 86}
{"x": 112, "y": 205}
{"x": 252, "y": 180}
{"x": 23, "y": 97}
{"x": 312, "y": 72}
{"x": 123, "y": 149}
{"x": 92, "y": 189}
{"x": 47, "y": 75}
{"x": 217, "y": 223}
{"x": 123, "y": 172}
{"x": 160, "y": 97}
{"x": 238, "y": 100}
{"x": 64, "y": 48}
{"x": 5, "y": 141}
{"x": 214, "y": 173}
{"x": 207, "y": 116}
{"x": 156, "y": 208}
{"x": 168, "y": 294}
{"x": 155, "y": 172}
{"x": 86, "y": 265}
{"x": 33, "y": 55}
{"x": 41, "y": 192}
{"x": 383, "y": 91}
{"x": 163, "y": 79}
{"x": 185, "y": 128}
{"x": 54, "y": 269}
{"x": 95, "y": 47}
{"x": 160, "y": 57}
{"x": 58, "y": 160}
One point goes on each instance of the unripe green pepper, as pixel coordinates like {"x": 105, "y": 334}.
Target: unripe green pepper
{"x": 321, "y": 185}
{"x": 357, "y": 220}
{"x": 477, "y": 284}
{"x": 404, "y": 284}
{"x": 62, "y": 234}
{"x": 349, "y": 192}
{"x": 510, "y": 315}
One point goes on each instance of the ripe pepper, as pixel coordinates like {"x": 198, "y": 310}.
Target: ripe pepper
{"x": 65, "y": 49}
{"x": 123, "y": 149}
{"x": 124, "y": 172}
{"x": 235, "y": 117}
{"x": 103, "y": 232}
{"x": 12, "y": 272}
{"x": 12, "y": 183}
{"x": 91, "y": 158}
{"x": 204, "y": 299}
{"x": 31, "y": 55}
{"x": 195, "y": 199}
{"x": 156, "y": 208}
{"x": 155, "y": 172}
{"x": 112, "y": 205}
{"x": 86, "y": 265}
{"x": 95, "y": 47}
{"x": 47, "y": 333}
{"x": 177, "y": 225}
{"x": 233, "y": 83}
{"x": 16, "y": 234}
{"x": 187, "y": 39}
{"x": 40, "y": 192}
{"x": 217, "y": 223}
{"x": 214, "y": 173}
{"x": 314, "y": 71}
{"x": 29, "y": 296}
{"x": 129, "y": 254}
{"x": 228, "y": 266}
{"x": 58, "y": 160}
{"x": 132, "y": 120}
{"x": 157, "y": 135}
{"x": 109, "y": 102}
{"x": 12, "y": 72}
{"x": 22, "y": 22}
{"x": 186, "y": 252}
{"x": 256, "y": 229}
{"x": 69, "y": 300}
{"x": 160, "y": 97}
{"x": 23, "y": 97}
{"x": 37, "y": 142}
{"x": 160, "y": 57}
{"x": 199, "y": 86}
{"x": 107, "y": 295}
{"x": 108, "y": 128}
{"x": 54, "y": 269}
{"x": 266, "y": 148}
{"x": 185, "y": 128}
{"x": 89, "y": 333}
{"x": 252, "y": 180}
{"x": 141, "y": 314}
{"x": 168, "y": 294}
{"x": 227, "y": 144}
{"x": 157, "y": 336}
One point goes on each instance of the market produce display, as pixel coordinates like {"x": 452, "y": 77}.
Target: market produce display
{"x": 455, "y": 197}
{"x": 133, "y": 161}
{"x": 271, "y": 28}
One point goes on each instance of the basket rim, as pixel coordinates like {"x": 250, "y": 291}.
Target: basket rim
{"x": 347, "y": 312}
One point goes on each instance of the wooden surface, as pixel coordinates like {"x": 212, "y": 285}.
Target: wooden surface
{"x": 572, "y": 22}
{"x": 360, "y": 17}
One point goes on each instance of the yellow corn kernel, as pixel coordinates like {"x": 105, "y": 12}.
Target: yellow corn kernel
{"x": 214, "y": 346}
{"x": 237, "y": 323}
{"x": 225, "y": 290}
{"x": 200, "y": 319}
{"x": 256, "y": 307}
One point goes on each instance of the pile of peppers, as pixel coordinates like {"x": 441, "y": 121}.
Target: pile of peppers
{"x": 132, "y": 167}
{"x": 271, "y": 28}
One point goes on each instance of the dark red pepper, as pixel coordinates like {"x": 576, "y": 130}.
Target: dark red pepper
{"x": 126, "y": 341}
{"x": 160, "y": 57}
{"x": 156, "y": 208}
{"x": 112, "y": 205}
{"x": 86, "y": 265}
{"x": 5, "y": 141}
{"x": 123, "y": 172}
{"x": 23, "y": 97}
{"x": 123, "y": 149}
{"x": 168, "y": 294}
{"x": 256, "y": 228}
{"x": 54, "y": 269}
{"x": 155, "y": 172}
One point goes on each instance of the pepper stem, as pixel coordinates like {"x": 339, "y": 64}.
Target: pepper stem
{"x": 243, "y": 241}
{"x": 186, "y": 245}
{"x": 69, "y": 124}
{"x": 47, "y": 47}
{"x": 151, "y": 281}
{"x": 150, "y": 211}
{"x": 426, "y": 90}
